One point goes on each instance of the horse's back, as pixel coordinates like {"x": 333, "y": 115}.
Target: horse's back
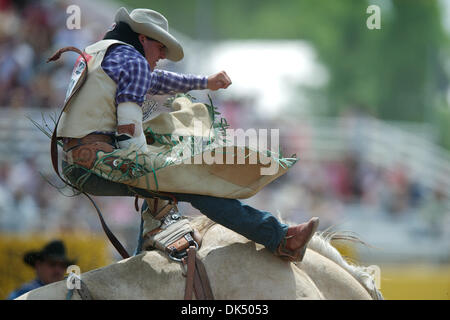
{"x": 240, "y": 271}
{"x": 237, "y": 269}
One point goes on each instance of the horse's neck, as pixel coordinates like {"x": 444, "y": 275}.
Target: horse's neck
{"x": 322, "y": 246}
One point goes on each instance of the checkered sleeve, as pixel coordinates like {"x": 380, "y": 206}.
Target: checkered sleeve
{"x": 166, "y": 82}
{"x": 134, "y": 78}
{"x": 131, "y": 72}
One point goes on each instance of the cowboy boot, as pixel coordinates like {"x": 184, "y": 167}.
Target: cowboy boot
{"x": 157, "y": 217}
{"x": 293, "y": 246}
{"x": 152, "y": 223}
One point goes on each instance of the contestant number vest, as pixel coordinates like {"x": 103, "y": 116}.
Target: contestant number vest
{"x": 93, "y": 107}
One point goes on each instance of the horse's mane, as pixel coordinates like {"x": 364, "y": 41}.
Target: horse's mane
{"x": 320, "y": 243}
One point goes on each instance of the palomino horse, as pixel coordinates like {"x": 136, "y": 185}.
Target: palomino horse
{"x": 237, "y": 269}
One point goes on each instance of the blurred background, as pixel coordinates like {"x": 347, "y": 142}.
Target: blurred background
{"x": 366, "y": 110}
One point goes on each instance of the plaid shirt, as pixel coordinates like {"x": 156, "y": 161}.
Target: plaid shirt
{"x": 134, "y": 78}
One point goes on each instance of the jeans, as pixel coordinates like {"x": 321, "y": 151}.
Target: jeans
{"x": 256, "y": 225}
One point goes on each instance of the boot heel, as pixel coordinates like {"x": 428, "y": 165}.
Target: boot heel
{"x": 298, "y": 254}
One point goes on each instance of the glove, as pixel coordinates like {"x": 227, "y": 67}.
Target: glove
{"x": 129, "y": 126}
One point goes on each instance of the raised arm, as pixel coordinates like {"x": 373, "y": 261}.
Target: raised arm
{"x": 218, "y": 81}
{"x": 166, "y": 82}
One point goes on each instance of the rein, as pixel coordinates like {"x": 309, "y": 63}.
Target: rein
{"x": 54, "y": 149}
{"x": 197, "y": 280}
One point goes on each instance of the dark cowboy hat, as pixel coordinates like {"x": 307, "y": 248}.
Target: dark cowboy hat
{"x": 53, "y": 251}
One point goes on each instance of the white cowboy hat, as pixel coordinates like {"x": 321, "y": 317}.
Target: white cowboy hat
{"x": 153, "y": 25}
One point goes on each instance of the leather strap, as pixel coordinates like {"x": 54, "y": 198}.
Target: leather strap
{"x": 179, "y": 245}
{"x": 190, "y": 273}
{"x": 163, "y": 211}
{"x": 197, "y": 280}
{"x": 54, "y": 150}
{"x": 85, "y": 155}
{"x": 84, "y": 292}
{"x": 203, "y": 281}
{"x": 70, "y": 143}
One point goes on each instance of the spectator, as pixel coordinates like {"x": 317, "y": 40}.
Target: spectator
{"x": 50, "y": 265}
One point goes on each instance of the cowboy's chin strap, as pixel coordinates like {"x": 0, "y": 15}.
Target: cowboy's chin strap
{"x": 54, "y": 150}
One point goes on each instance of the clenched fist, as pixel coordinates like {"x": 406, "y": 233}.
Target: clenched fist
{"x": 218, "y": 81}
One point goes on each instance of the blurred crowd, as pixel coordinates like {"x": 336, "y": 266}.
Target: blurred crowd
{"x": 31, "y": 31}
{"x": 327, "y": 187}
{"x": 31, "y": 201}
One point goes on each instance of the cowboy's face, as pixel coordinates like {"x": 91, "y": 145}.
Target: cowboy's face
{"x": 49, "y": 271}
{"x": 154, "y": 50}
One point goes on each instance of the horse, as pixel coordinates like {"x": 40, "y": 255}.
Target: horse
{"x": 237, "y": 269}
